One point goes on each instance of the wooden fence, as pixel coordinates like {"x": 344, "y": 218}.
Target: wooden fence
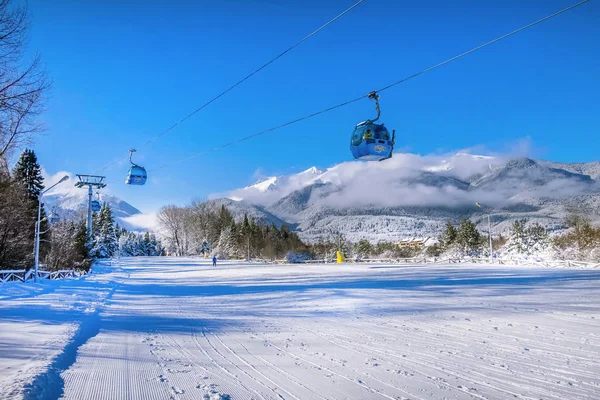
{"x": 26, "y": 275}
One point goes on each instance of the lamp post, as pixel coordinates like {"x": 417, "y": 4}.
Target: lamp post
{"x": 37, "y": 227}
{"x": 490, "y": 235}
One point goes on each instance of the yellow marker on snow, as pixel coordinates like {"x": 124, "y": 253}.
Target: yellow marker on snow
{"x": 340, "y": 257}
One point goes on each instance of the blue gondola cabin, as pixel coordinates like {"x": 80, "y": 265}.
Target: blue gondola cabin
{"x": 136, "y": 176}
{"x": 371, "y": 142}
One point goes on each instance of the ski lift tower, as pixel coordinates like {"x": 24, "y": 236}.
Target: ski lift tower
{"x": 91, "y": 181}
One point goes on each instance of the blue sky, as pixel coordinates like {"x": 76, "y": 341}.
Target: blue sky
{"x": 125, "y": 71}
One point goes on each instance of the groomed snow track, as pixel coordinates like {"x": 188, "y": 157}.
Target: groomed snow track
{"x": 177, "y": 328}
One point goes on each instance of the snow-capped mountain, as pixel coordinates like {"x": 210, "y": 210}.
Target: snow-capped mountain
{"x": 274, "y": 187}
{"x": 67, "y": 202}
{"x": 412, "y": 195}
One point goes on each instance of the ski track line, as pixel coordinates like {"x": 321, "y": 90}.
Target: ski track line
{"x": 162, "y": 364}
{"x": 508, "y": 350}
{"x": 192, "y": 360}
{"x": 440, "y": 370}
{"x": 252, "y": 367}
{"x": 526, "y": 336}
{"x": 289, "y": 376}
{"x": 199, "y": 346}
{"x": 520, "y": 361}
{"x": 428, "y": 379}
{"x": 366, "y": 373}
{"x": 431, "y": 366}
{"x": 364, "y": 386}
{"x": 495, "y": 333}
{"x": 235, "y": 365}
{"x": 396, "y": 388}
{"x": 280, "y": 371}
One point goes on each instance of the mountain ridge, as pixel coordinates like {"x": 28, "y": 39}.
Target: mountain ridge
{"x": 411, "y": 195}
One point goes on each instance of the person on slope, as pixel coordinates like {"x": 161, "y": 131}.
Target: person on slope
{"x": 214, "y": 261}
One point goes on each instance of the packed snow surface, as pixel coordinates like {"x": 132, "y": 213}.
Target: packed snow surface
{"x": 177, "y": 328}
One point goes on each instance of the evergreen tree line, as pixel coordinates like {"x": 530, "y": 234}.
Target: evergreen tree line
{"x": 109, "y": 240}
{"x": 202, "y": 229}
{"x": 362, "y": 249}
{"x": 62, "y": 245}
{"x": 133, "y": 244}
{"x": 580, "y": 242}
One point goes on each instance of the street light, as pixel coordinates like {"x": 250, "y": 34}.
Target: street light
{"x": 490, "y": 234}
{"x": 37, "y": 227}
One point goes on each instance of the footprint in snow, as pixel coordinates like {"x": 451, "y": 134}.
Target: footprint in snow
{"x": 176, "y": 390}
{"x": 216, "y": 396}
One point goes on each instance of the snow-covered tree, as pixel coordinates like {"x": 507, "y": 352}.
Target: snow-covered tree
{"x": 28, "y": 173}
{"x": 68, "y": 247}
{"x": 227, "y": 246}
{"x": 516, "y": 243}
{"x": 526, "y": 240}
{"x": 468, "y": 238}
{"x": 448, "y": 237}
{"x": 363, "y": 248}
{"x": 105, "y": 243}
{"x": 132, "y": 244}
{"x": 176, "y": 224}
{"x": 16, "y": 229}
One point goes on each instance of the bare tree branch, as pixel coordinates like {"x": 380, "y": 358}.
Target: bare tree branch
{"x": 22, "y": 84}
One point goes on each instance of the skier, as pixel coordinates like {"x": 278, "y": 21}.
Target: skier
{"x": 214, "y": 261}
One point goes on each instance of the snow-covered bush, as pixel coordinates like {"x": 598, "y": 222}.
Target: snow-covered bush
{"x": 526, "y": 240}
{"x": 582, "y": 242}
{"x": 466, "y": 241}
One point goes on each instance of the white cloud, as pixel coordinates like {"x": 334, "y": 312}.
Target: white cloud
{"x": 50, "y": 180}
{"x": 142, "y": 221}
{"x": 416, "y": 180}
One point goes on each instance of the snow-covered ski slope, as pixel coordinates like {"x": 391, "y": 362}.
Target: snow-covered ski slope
{"x": 174, "y": 328}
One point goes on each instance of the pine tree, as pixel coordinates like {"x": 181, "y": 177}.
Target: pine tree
{"x": 28, "y": 173}
{"x": 147, "y": 245}
{"x": 468, "y": 238}
{"x": 81, "y": 241}
{"x": 524, "y": 240}
{"x": 363, "y": 248}
{"x": 449, "y": 236}
{"x": 105, "y": 243}
{"x": 516, "y": 243}
{"x": 341, "y": 245}
{"x": 538, "y": 239}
